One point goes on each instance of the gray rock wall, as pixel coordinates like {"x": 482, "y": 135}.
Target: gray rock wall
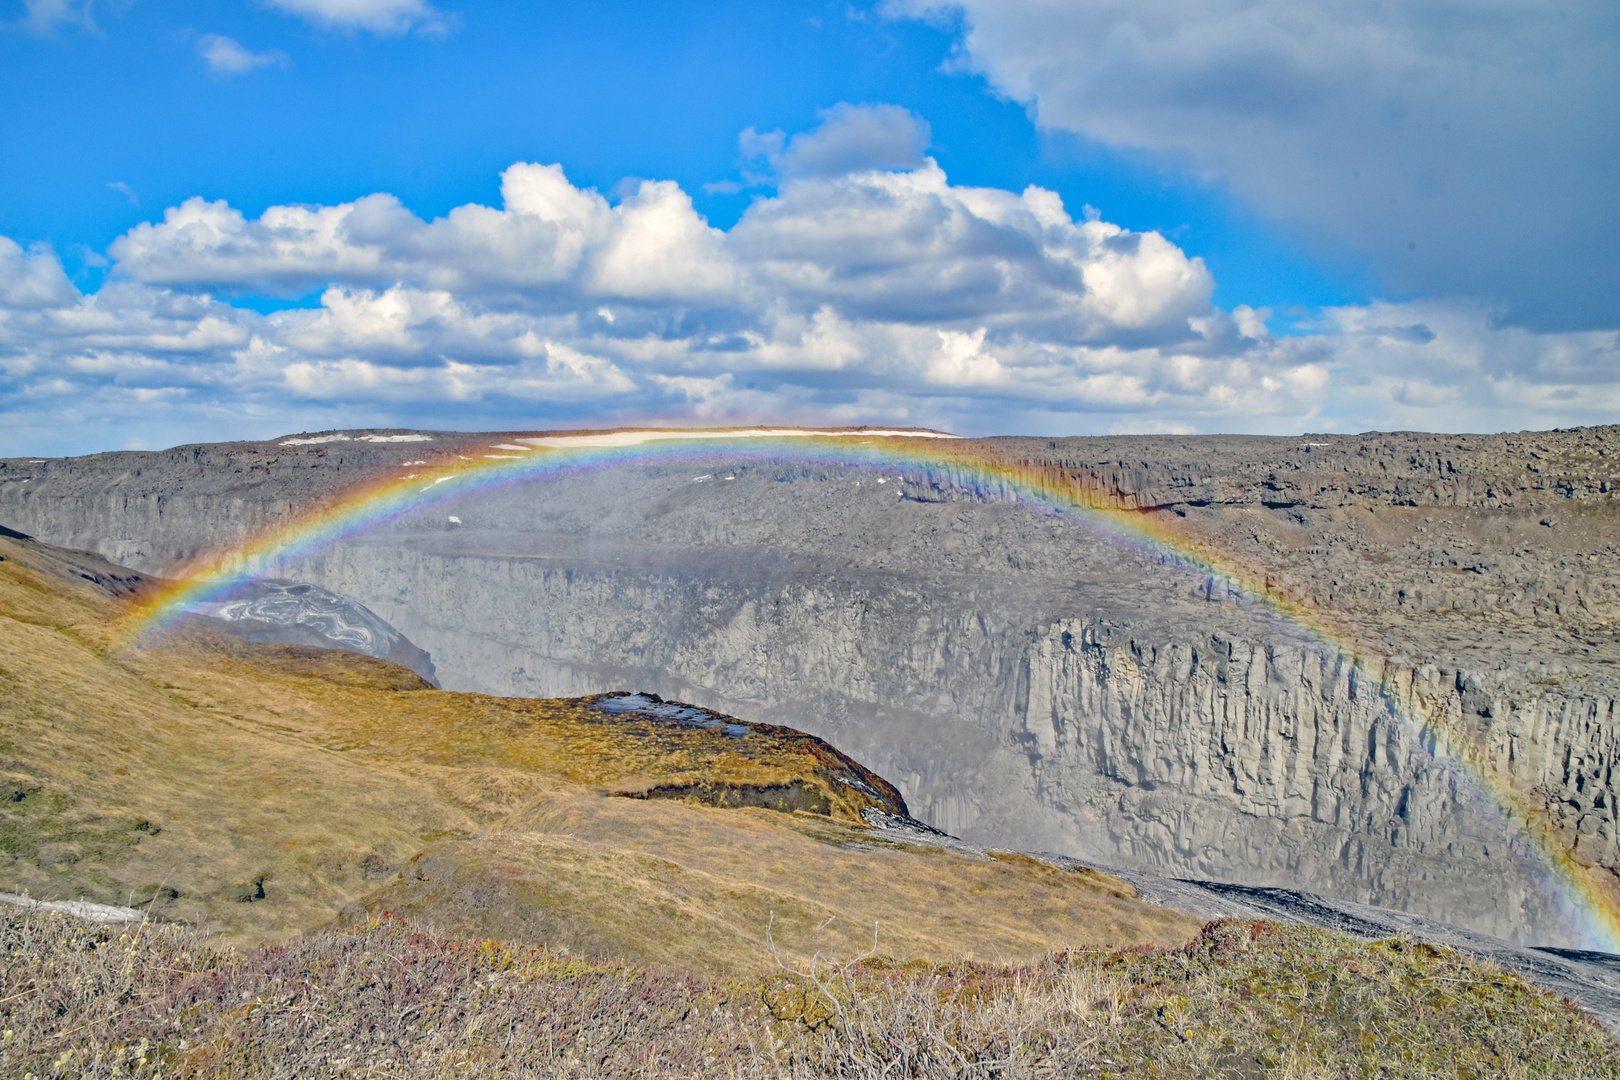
{"x": 1238, "y": 754}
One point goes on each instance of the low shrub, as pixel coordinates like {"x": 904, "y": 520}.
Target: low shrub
{"x": 390, "y": 999}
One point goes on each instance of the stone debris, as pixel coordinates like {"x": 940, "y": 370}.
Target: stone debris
{"x": 79, "y": 909}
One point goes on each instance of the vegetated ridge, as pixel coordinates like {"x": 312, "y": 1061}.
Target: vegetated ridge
{"x": 1242, "y": 999}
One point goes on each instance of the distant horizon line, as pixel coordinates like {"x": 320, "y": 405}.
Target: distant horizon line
{"x": 624, "y": 436}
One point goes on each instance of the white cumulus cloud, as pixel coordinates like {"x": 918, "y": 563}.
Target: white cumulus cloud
{"x": 1468, "y": 149}
{"x": 877, "y": 295}
{"x": 850, "y": 138}
{"x": 226, "y": 56}
{"x": 32, "y": 279}
{"x": 378, "y": 16}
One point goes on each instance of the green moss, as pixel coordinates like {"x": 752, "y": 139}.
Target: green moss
{"x": 1259, "y": 998}
{"x": 786, "y": 798}
{"x": 43, "y": 829}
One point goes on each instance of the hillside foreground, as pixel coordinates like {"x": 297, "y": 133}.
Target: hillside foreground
{"x": 266, "y": 789}
{"x": 350, "y": 873}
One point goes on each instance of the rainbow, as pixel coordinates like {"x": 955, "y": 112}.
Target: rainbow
{"x": 922, "y": 457}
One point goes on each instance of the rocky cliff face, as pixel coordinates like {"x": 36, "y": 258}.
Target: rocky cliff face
{"x": 1025, "y": 680}
{"x": 298, "y": 613}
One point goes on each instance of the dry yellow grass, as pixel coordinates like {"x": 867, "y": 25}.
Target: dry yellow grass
{"x": 268, "y": 789}
{"x": 1241, "y": 1001}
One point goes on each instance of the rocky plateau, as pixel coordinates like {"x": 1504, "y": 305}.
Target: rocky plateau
{"x": 1029, "y": 680}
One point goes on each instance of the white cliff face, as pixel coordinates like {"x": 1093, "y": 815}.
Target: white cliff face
{"x": 1029, "y": 682}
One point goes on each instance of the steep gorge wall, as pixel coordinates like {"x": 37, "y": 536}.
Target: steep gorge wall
{"x": 1524, "y": 470}
{"x": 1214, "y": 747}
{"x": 1202, "y": 756}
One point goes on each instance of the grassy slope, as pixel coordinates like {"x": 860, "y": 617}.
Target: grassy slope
{"x": 205, "y": 772}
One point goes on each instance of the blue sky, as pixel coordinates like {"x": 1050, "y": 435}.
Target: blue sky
{"x": 1382, "y": 219}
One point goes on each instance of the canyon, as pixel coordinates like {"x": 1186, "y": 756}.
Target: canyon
{"x": 1433, "y": 636}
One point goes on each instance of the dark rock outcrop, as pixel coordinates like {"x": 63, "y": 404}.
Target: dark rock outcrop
{"x": 298, "y": 613}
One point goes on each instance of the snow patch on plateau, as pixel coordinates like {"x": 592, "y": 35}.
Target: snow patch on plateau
{"x": 315, "y": 440}
{"x": 636, "y": 438}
